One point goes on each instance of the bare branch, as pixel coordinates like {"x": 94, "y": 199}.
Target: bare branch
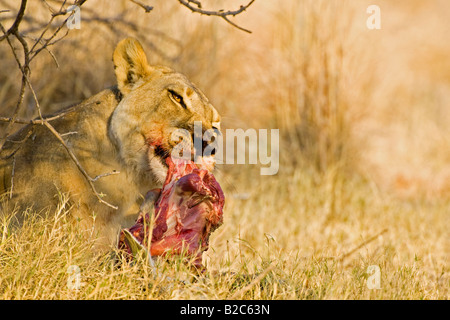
{"x": 47, "y": 42}
{"x": 346, "y": 255}
{"x": 40, "y": 121}
{"x": 221, "y": 13}
{"x": 25, "y": 70}
{"x": 145, "y": 7}
{"x": 12, "y": 177}
{"x": 39, "y": 40}
{"x": 196, "y": 2}
{"x": 68, "y": 133}
{"x": 79, "y": 166}
{"x": 43, "y": 42}
{"x": 105, "y": 175}
{"x": 16, "y": 23}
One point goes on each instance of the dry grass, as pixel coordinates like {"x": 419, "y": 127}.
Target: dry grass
{"x": 363, "y": 117}
{"x": 307, "y": 246}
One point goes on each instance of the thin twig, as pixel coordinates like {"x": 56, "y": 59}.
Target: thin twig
{"x": 48, "y": 41}
{"x": 255, "y": 281}
{"x": 144, "y": 6}
{"x": 346, "y": 255}
{"x": 105, "y": 175}
{"x": 16, "y": 23}
{"x": 220, "y": 13}
{"x": 68, "y": 133}
{"x": 196, "y": 2}
{"x": 24, "y": 69}
{"x": 12, "y": 177}
{"x": 43, "y": 42}
{"x": 48, "y": 118}
{"x": 38, "y": 40}
{"x": 79, "y": 166}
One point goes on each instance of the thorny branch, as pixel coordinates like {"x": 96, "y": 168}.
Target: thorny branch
{"x": 143, "y": 6}
{"x": 221, "y": 13}
{"x": 15, "y": 26}
{"x": 43, "y": 42}
{"x": 79, "y": 166}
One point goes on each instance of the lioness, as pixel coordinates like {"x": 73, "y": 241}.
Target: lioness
{"x": 125, "y": 129}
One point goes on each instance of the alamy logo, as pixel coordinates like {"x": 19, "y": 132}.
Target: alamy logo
{"x": 74, "y": 21}
{"x": 374, "y": 280}
{"x": 74, "y": 279}
{"x": 211, "y": 142}
{"x": 374, "y": 20}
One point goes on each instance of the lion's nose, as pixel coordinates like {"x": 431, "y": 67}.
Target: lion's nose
{"x": 205, "y": 145}
{"x": 212, "y": 141}
{"x": 207, "y": 141}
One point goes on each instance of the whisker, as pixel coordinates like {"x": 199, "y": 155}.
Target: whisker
{"x": 224, "y": 179}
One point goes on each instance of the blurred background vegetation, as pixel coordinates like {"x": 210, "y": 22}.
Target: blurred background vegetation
{"x": 345, "y": 97}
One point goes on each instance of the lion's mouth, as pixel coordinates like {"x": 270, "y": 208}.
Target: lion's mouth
{"x": 187, "y": 209}
{"x": 162, "y": 153}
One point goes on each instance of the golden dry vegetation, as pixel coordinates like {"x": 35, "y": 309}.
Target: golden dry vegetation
{"x": 364, "y": 150}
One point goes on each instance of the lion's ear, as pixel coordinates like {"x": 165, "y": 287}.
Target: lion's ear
{"x": 130, "y": 64}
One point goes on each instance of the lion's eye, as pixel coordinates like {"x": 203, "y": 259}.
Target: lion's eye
{"x": 177, "y": 98}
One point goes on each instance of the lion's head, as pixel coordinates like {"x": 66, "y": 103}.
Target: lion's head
{"x": 156, "y": 102}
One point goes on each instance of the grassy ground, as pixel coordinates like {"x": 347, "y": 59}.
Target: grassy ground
{"x": 364, "y": 146}
{"x": 290, "y": 238}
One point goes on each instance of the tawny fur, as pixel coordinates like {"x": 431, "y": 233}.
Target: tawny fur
{"x": 107, "y": 134}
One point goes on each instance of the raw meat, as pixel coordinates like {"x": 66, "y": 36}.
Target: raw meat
{"x": 187, "y": 210}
